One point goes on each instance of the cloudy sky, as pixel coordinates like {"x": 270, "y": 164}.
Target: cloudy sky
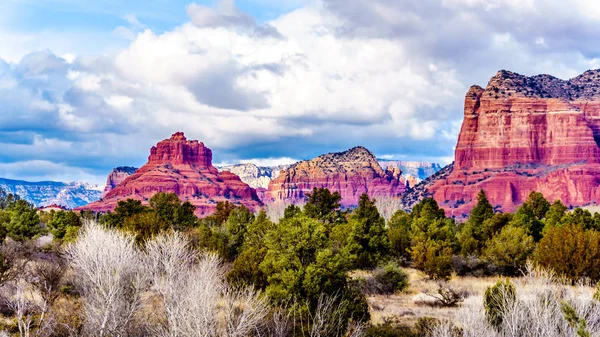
{"x": 87, "y": 85}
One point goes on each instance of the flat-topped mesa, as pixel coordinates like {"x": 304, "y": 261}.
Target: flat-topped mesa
{"x": 351, "y": 173}
{"x": 521, "y": 134}
{"x": 179, "y": 151}
{"x": 540, "y": 119}
{"x": 183, "y": 167}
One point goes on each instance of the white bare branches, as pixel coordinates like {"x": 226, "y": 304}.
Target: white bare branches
{"x": 196, "y": 300}
{"x": 275, "y": 210}
{"x": 387, "y": 206}
{"x": 536, "y": 311}
{"x": 109, "y": 273}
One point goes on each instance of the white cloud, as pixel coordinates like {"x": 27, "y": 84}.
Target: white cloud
{"x": 270, "y": 161}
{"x": 323, "y": 77}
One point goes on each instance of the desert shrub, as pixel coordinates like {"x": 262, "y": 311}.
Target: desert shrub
{"x": 509, "y": 250}
{"x": 425, "y": 326}
{"x": 497, "y": 300}
{"x": 385, "y": 280}
{"x": 470, "y": 266}
{"x": 574, "y": 320}
{"x": 392, "y": 278}
{"x": 445, "y": 295}
{"x": 390, "y": 330}
{"x": 535, "y": 311}
{"x": 570, "y": 251}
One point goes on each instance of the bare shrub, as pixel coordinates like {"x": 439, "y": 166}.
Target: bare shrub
{"x": 275, "y": 210}
{"x": 195, "y": 298}
{"x": 445, "y": 295}
{"x": 387, "y": 206}
{"x": 108, "y": 270}
{"x": 327, "y": 320}
{"x": 538, "y": 310}
{"x": 19, "y": 297}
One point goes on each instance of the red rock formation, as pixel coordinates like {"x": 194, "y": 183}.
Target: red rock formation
{"x": 183, "y": 167}
{"x": 351, "y": 173}
{"x": 521, "y": 134}
{"x": 117, "y": 176}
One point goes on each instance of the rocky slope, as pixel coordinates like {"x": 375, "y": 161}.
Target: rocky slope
{"x": 46, "y": 193}
{"x": 253, "y": 175}
{"x": 183, "y": 167}
{"x": 116, "y": 176}
{"x": 526, "y": 133}
{"x": 351, "y": 173}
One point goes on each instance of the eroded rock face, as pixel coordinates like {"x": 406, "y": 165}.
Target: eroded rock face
{"x": 116, "y": 176}
{"x": 183, "y": 167}
{"x": 521, "y": 134}
{"x": 351, "y": 173}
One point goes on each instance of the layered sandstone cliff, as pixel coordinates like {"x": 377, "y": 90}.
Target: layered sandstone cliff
{"x": 116, "y": 176}
{"x": 521, "y": 134}
{"x": 183, "y": 167}
{"x": 351, "y": 173}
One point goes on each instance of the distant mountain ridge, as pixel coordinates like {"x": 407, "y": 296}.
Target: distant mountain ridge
{"x": 254, "y": 175}
{"x": 44, "y": 193}
{"x": 417, "y": 169}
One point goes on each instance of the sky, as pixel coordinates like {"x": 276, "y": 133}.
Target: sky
{"x": 89, "y": 85}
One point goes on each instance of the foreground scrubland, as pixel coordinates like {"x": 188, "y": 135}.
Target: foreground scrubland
{"x": 299, "y": 270}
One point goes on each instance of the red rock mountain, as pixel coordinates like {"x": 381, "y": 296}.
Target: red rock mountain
{"x": 351, "y": 173}
{"x": 183, "y": 167}
{"x": 116, "y": 176}
{"x": 521, "y": 134}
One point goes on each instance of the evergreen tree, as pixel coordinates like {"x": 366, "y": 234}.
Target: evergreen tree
{"x": 323, "y": 205}
{"x": 554, "y": 215}
{"x": 368, "y": 237}
{"x": 24, "y": 221}
{"x": 433, "y": 240}
{"x": 399, "y": 234}
{"x": 471, "y": 236}
{"x": 509, "y": 250}
{"x": 62, "y": 222}
{"x": 171, "y": 210}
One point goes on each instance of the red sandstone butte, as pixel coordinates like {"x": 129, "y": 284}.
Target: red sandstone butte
{"x": 351, "y": 173}
{"x": 521, "y": 134}
{"x": 183, "y": 167}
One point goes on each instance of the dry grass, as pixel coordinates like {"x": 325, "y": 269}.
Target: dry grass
{"x": 408, "y": 307}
